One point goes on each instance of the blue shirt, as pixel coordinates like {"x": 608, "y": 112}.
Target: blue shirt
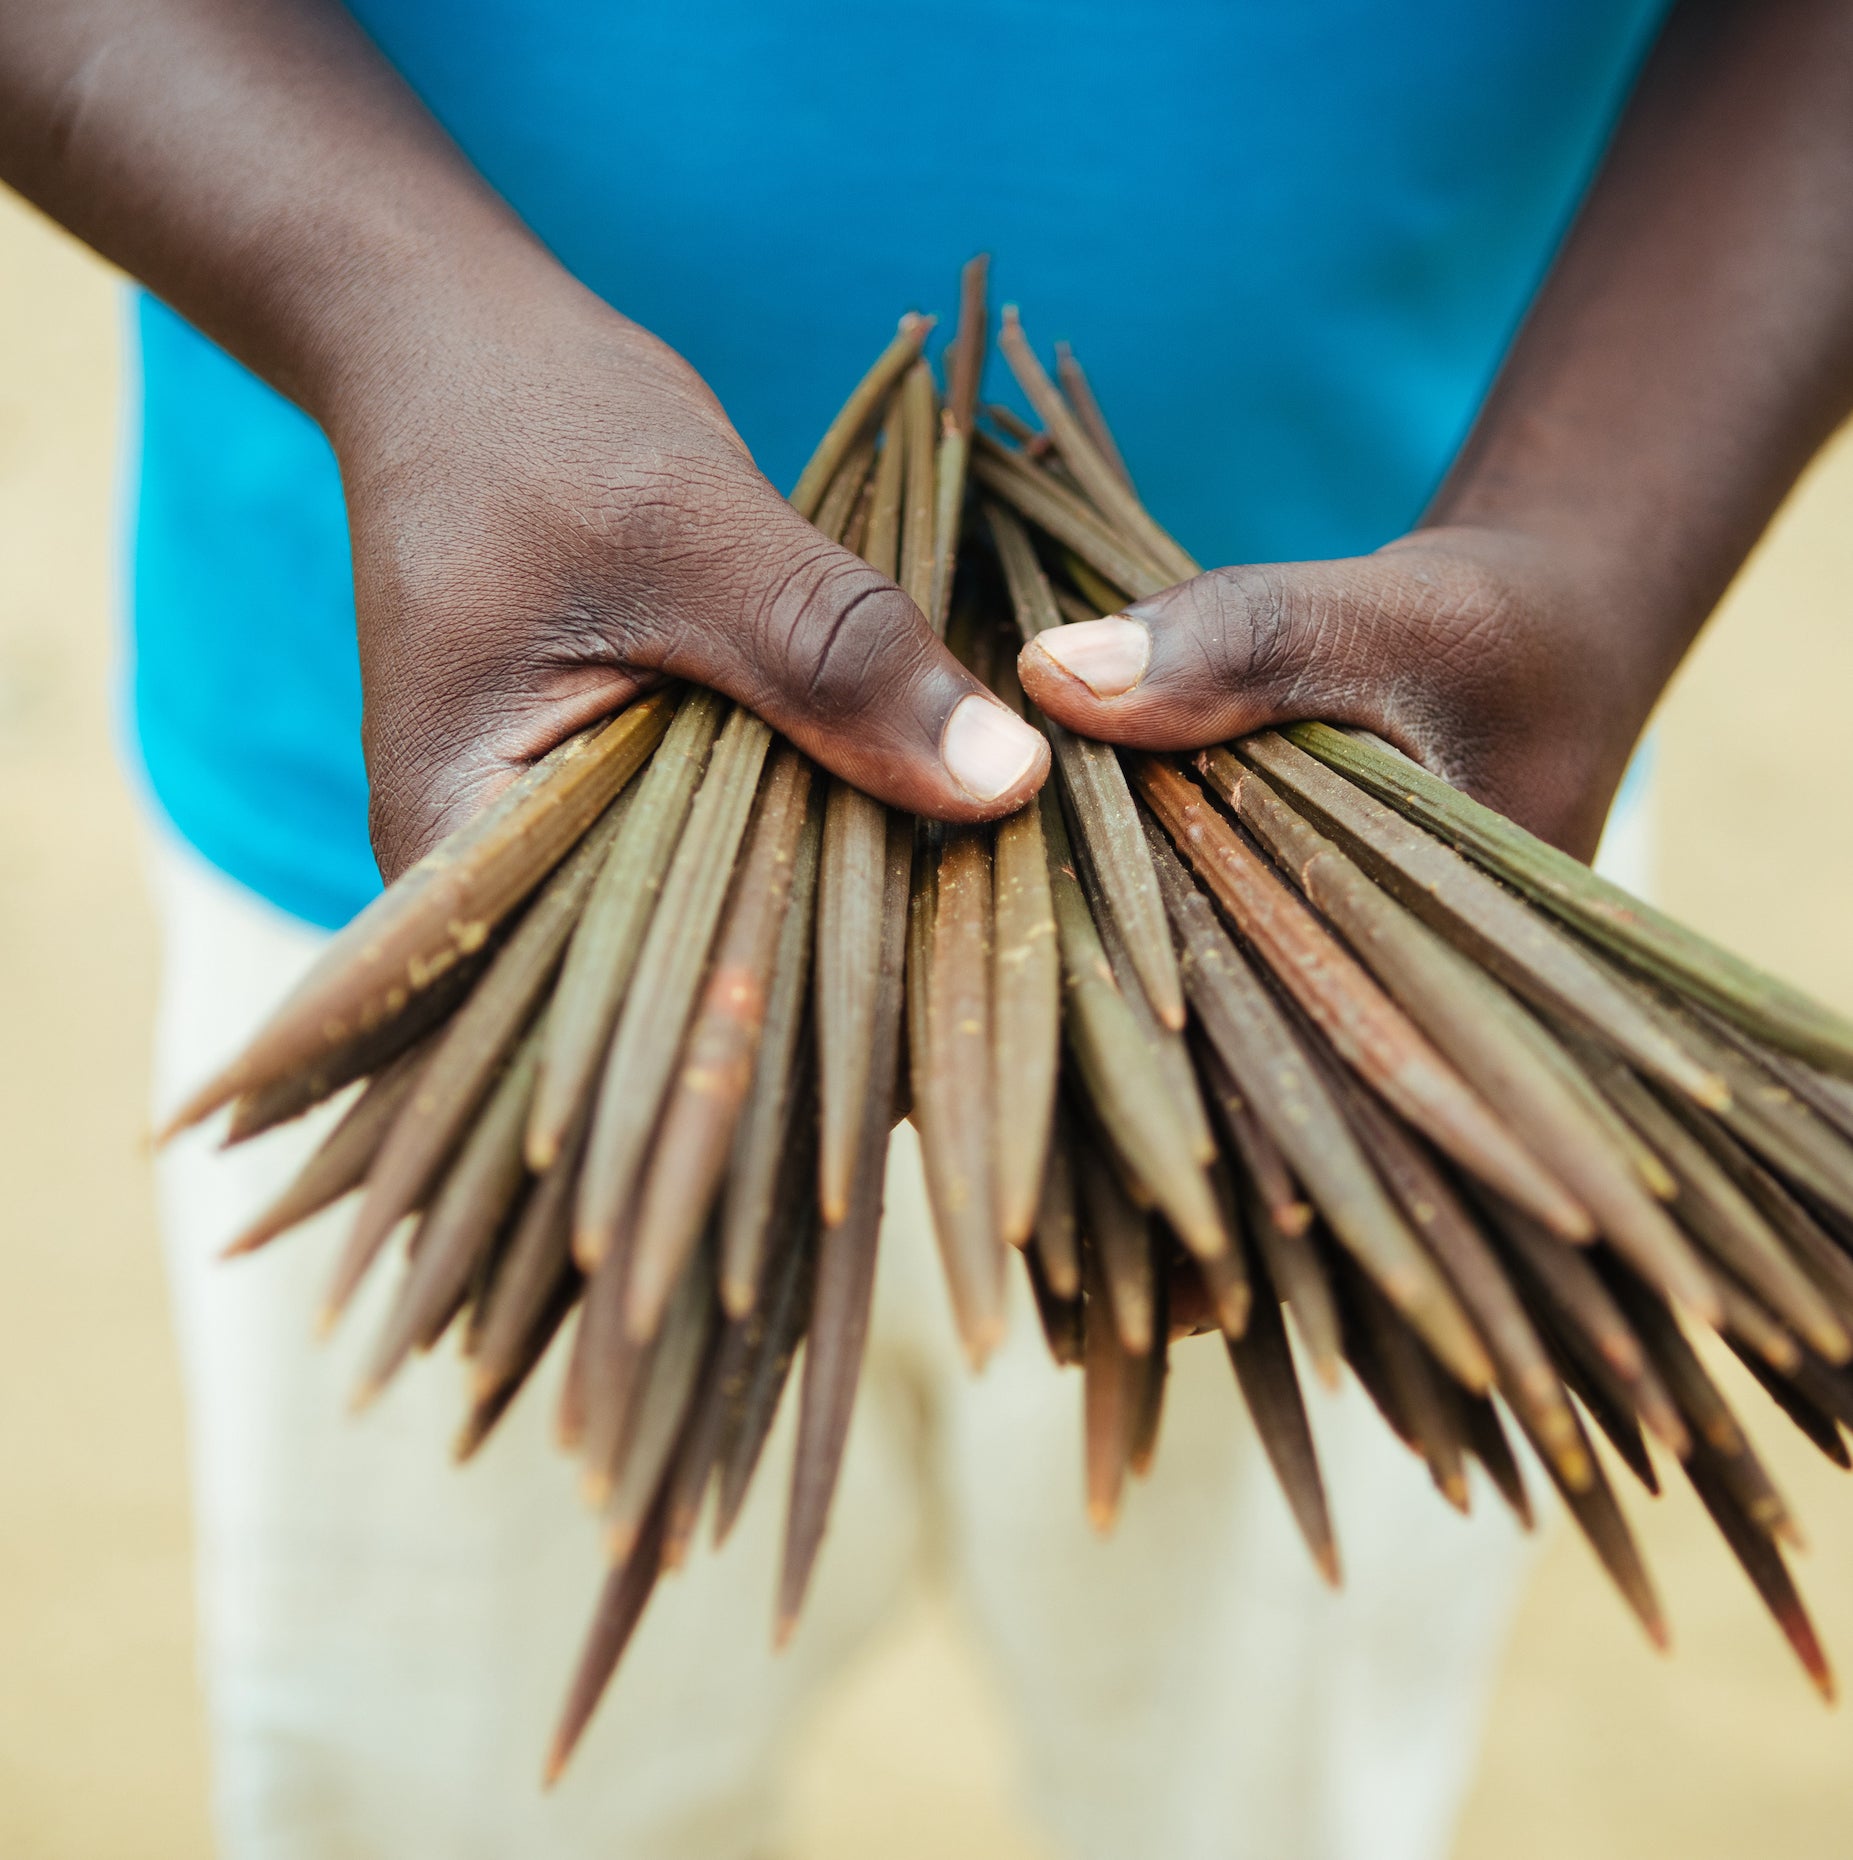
{"x": 1290, "y": 244}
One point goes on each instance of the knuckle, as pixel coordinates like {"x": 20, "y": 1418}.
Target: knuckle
{"x": 836, "y": 637}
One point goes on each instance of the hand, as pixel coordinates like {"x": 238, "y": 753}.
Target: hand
{"x": 566, "y": 515}
{"x": 1505, "y": 664}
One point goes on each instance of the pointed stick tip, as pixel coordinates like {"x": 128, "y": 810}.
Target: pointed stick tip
{"x": 558, "y": 1756}
{"x": 1325, "y": 1560}
{"x": 366, "y": 1393}
{"x": 1574, "y": 1466}
{"x": 620, "y": 1541}
{"x": 1103, "y": 1514}
{"x": 1777, "y": 1521}
{"x": 1453, "y": 1487}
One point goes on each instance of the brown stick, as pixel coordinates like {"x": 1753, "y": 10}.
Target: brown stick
{"x": 1501, "y": 931}
{"x": 1369, "y": 1032}
{"x": 649, "y": 1034}
{"x": 340, "y": 1165}
{"x": 845, "y": 1276}
{"x": 444, "y": 908}
{"x": 695, "y": 1138}
{"x": 1106, "y": 821}
{"x": 464, "y": 1064}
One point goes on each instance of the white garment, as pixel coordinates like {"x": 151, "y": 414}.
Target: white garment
{"x": 385, "y": 1638}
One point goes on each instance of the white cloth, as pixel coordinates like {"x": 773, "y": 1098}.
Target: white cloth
{"x": 385, "y": 1638}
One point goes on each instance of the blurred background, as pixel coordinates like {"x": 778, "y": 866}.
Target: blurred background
{"x": 1594, "y": 1746}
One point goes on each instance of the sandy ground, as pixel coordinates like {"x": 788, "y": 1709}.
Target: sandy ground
{"x": 1594, "y": 1747}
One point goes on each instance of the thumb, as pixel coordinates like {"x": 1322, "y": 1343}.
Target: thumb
{"x": 835, "y": 657}
{"x": 1229, "y": 652}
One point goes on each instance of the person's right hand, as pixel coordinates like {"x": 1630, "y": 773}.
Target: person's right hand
{"x": 555, "y": 513}
{"x": 548, "y": 508}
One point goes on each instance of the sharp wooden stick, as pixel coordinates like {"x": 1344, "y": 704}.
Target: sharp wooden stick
{"x": 340, "y": 1165}
{"x": 1056, "y": 1239}
{"x": 1107, "y": 822}
{"x": 648, "y": 1038}
{"x": 1702, "y": 1404}
{"x": 610, "y": 931}
{"x": 1589, "y": 1322}
{"x": 692, "y": 1145}
{"x": 1599, "y": 1516}
{"x": 464, "y": 1219}
{"x": 1816, "y": 1423}
{"x": 1435, "y": 1212}
{"x": 1038, "y": 497}
{"x": 539, "y": 1264}
{"x": 774, "y": 1329}
{"x": 1026, "y": 1003}
{"x": 1121, "y": 1238}
{"x": 1248, "y": 1028}
{"x": 488, "y": 1407}
{"x": 1108, "y": 1396}
{"x": 365, "y": 1057}
{"x": 859, "y": 413}
{"x": 1152, "y": 1370}
{"x": 1105, "y": 486}
{"x": 1115, "y": 1065}
{"x": 1080, "y": 394}
{"x": 1060, "y": 1317}
{"x": 965, "y": 366}
{"x": 662, "y": 1404}
{"x": 846, "y": 1275}
{"x": 953, "y": 1091}
{"x": 1501, "y": 931}
{"x": 1260, "y": 1156}
{"x": 621, "y": 1604}
{"x": 1762, "y": 1561}
{"x": 444, "y": 909}
{"x": 1601, "y": 910}
{"x": 1373, "y": 1036}
{"x": 783, "y": 1089}
{"x": 464, "y": 1064}
{"x": 1486, "y": 1440}
{"x": 1723, "y": 1219}
{"x": 1263, "y": 1363}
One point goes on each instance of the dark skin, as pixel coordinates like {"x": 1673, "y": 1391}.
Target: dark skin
{"x": 549, "y": 508}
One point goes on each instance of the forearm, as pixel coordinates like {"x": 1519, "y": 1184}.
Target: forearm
{"x": 260, "y": 166}
{"x": 1693, "y": 346}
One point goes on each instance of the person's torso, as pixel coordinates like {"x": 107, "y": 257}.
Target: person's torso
{"x": 1289, "y": 244}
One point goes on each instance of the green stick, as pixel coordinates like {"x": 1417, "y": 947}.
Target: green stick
{"x": 1091, "y": 776}
{"x": 1634, "y": 930}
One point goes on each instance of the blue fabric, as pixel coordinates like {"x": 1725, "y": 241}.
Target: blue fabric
{"x": 1290, "y": 243}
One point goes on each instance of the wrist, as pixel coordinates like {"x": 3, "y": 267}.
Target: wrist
{"x": 1601, "y": 608}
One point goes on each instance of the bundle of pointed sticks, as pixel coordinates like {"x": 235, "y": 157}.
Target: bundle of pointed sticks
{"x": 1290, "y": 1028}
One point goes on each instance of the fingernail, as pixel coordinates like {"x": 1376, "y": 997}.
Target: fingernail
{"x": 986, "y": 750}
{"x": 1108, "y": 656}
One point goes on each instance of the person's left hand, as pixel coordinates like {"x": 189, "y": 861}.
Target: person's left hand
{"x": 1503, "y": 663}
